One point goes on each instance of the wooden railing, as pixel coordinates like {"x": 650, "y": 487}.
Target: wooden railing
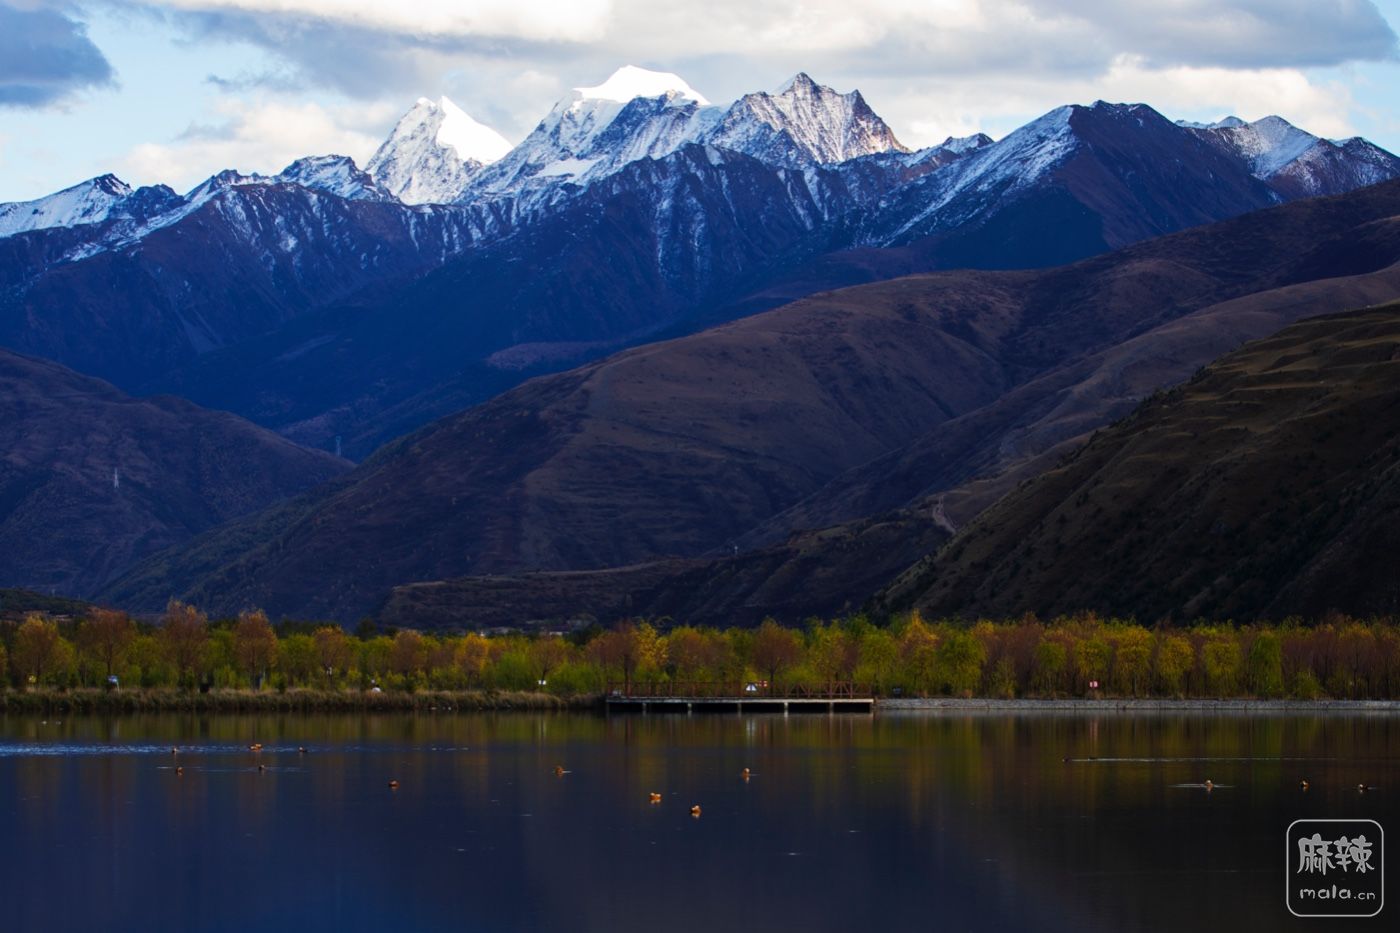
{"x": 737, "y": 690}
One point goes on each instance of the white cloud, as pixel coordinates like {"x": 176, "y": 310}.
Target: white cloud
{"x": 261, "y": 136}
{"x": 1247, "y": 93}
{"x": 553, "y": 20}
{"x": 995, "y": 106}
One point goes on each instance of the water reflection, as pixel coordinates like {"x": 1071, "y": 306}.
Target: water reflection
{"x": 978, "y": 821}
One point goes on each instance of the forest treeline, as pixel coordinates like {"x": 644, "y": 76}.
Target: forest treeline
{"x": 1335, "y": 657}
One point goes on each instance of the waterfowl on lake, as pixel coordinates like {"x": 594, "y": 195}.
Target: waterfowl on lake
{"x": 1209, "y": 784}
{"x": 262, "y": 767}
{"x": 558, "y": 770}
{"x": 301, "y": 749}
{"x": 655, "y": 798}
{"x": 695, "y": 810}
{"x": 1303, "y": 785}
{"x": 393, "y": 785}
{"x": 255, "y": 747}
{"x": 179, "y": 771}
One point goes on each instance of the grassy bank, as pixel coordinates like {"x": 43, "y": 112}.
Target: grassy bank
{"x": 289, "y": 701}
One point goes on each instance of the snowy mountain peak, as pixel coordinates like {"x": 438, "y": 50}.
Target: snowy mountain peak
{"x": 804, "y": 123}
{"x": 334, "y": 174}
{"x": 433, "y": 152}
{"x": 88, "y": 202}
{"x": 634, "y": 114}
{"x": 800, "y": 83}
{"x": 1268, "y": 144}
{"x": 965, "y": 143}
{"x": 1224, "y": 123}
{"x": 473, "y": 140}
{"x": 630, "y": 82}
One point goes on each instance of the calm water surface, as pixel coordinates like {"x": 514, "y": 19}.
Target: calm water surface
{"x": 896, "y": 822}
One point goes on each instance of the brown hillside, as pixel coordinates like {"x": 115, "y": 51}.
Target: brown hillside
{"x": 676, "y": 449}
{"x": 1267, "y": 485}
{"x": 66, "y": 527}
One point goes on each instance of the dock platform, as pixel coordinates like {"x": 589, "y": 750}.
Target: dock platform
{"x": 742, "y": 698}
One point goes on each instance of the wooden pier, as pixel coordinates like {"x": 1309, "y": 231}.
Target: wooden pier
{"x": 710, "y": 697}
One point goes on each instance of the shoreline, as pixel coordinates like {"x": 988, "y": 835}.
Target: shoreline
{"x": 168, "y": 700}
{"x": 162, "y": 700}
{"x": 1132, "y": 705}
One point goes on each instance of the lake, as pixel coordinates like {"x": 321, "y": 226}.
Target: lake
{"x": 951, "y": 821}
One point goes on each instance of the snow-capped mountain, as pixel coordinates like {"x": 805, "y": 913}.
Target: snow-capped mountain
{"x": 433, "y": 152}
{"x": 635, "y": 114}
{"x": 119, "y": 216}
{"x": 1296, "y": 163}
{"x": 999, "y": 170}
{"x": 91, "y": 202}
{"x": 333, "y": 174}
{"x": 640, "y": 114}
{"x": 803, "y": 123}
{"x": 1099, "y": 176}
{"x": 634, "y": 208}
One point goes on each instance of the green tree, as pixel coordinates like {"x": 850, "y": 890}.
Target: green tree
{"x": 918, "y": 655}
{"x": 960, "y": 660}
{"x": 1132, "y": 659}
{"x": 547, "y": 653}
{"x": 832, "y": 654}
{"x": 1221, "y": 658}
{"x": 1051, "y": 660}
{"x": 775, "y": 650}
{"x": 1175, "y": 659}
{"x": 1265, "y": 665}
{"x": 879, "y": 657}
{"x": 1092, "y": 657}
{"x": 296, "y": 656}
{"x": 650, "y": 650}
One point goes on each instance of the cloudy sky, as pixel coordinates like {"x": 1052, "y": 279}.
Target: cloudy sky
{"x": 173, "y": 90}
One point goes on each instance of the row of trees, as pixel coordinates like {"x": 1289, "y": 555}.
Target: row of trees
{"x": 1337, "y": 657}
